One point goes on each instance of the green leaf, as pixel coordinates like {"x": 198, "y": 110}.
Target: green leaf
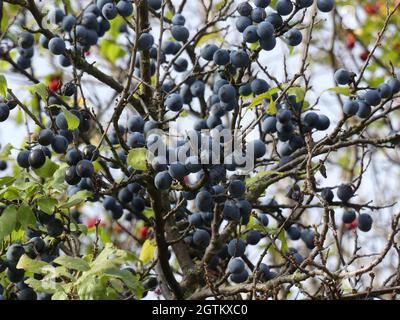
{"x": 47, "y": 170}
{"x": 47, "y": 204}
{"x": 104, "y": 236}
{"x": 219, "y": 5}
{"x": 59, "y": 295}
{"x": 8, "y": 220}
{"x": 109, "y": 257}
{"x": 42, "y": 285}
{"x": 77, "y": 198}
{"x": 137, "y": 159}
{"x": 254, "y": 46}
{"x": 114, "y": 25}
{"x": 72, "y": 120}
{"x": 257, "y": 226}
{"x": 282, "y": 239}
{"x": 271, "y": 109}
{"x": 58, "y": 180}
{"x": 148, "y": 213}
{"x": 40, "y": 89}
{"x": 118, "y": 285}
{"x": 6, "y": 152}
{"x": 6, "y": 181}
{"x": 169, "y": 15}
{"x": 111, "y": 50}
{"x": 26, "y": 217}
{"x": 147, "y": 252}
{"x": 19, "y": 116}
{"x": 214, "y": 36}
{"x": 184, "y": 114}
{"x": 62, "y": 271}
{"x": 131, "y": 281}
{"x": 299, "y": 92}
{"x": 340, "y": 90}
{"x": 17, "y": 235}
{"x": 97, "y": 166}
{"x": 3, "y": 86}
{"x": 96, "y": 288}
{"x": 257, "y": 100}
{"x": 24, "y": 186}
{"x": 78, "y": 227}
{"x": 11, "y": 193}
{"x": 30, "y": 265}
{"x": 72, "y": 263}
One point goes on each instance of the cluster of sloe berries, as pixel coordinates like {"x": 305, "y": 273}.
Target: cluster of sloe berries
{"x": 361, "y": 105}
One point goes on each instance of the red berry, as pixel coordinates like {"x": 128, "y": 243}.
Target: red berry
{"x": 372, "y": 8}
{"x": 118, "y": 228}
{"x": 55, "y": 84}
{"x": 350, "y": 40}
{"x": 364, "y": 55}
{"x": 353, "y": 225}
{"x": 143, "y": 232}
{"x": 91, "y": 222}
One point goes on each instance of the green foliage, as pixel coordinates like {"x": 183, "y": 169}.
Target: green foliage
{"x": 8, "y": 221}
{"x": 257, "y": 100}
{"x": 26, "y": 217}
{"x": 85, "y": 278}
{"x": 72, "y": 263}
{"x": 137, "y": 159}
{"x": 111, "y": 50}
{"x": 72, "y": 120}
{"x": 340, "y": 90}
{"x": 48, "y": 169}
{"x": 40, "y": 89}
{"x": 77, "y": 198}
{"x": 47, "y": 204}
{"x": 3, "y": 86}
{"x": 6, "y": 151}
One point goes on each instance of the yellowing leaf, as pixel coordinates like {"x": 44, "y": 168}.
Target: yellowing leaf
{"x": 137, "y": 159}
{"x": 30, "y": 265}
{"x": 169, "y": 15}
{"x": 184, "y": 114}
{"x": 219, "y": 5}
{"x": 147, "y": 252}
